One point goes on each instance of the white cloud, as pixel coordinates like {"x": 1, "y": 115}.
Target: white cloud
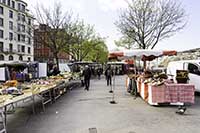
{"x": 107, "y": 5}
{"x": 74, "y": 5}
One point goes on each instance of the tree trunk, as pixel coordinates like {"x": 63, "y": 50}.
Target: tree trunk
{"x": 57, "y": 60}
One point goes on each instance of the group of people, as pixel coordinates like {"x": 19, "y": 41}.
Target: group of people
{"x": 86, "y": 73}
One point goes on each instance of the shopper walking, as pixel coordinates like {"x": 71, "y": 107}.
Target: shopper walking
{"x": 99, "y": 73}
{"x": 87, "y": 76}
{"x": 109, "y": 74}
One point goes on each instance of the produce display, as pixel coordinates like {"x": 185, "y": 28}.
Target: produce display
{"x": 148, "y": 77}
{"x": 3, "y": 98}
{"x": 11, "y": 83}
{"x": 13, "y": 88}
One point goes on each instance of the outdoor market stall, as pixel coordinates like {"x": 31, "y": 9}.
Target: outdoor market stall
{"x": 156, "y": 91}
{"x": 22, "y": 71}
{"x": 46, "y": 89}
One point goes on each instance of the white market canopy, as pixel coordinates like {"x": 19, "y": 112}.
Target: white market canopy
{"x": 140, "y": 53}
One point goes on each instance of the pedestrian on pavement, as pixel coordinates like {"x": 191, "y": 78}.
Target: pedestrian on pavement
{"x": 87, "y": 76}
{"x": 109, "y": 74}
{"x": 99, "y": 73}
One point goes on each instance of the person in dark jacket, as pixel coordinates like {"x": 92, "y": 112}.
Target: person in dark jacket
{"x": 99, "y": 73}
{"x": 55, "y": 71}
{"x": 109, "y": 74}
{"x": 87, "y": 76}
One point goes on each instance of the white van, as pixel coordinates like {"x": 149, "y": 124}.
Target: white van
{"x": 193, "y": 67}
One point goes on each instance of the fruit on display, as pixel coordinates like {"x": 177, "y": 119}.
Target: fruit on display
{"x": 11, "y": 83}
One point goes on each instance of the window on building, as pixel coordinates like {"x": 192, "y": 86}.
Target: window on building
{"x": 1, "y": 22}
{"x": 19, "y": 48}
{"x": 1, "y": 34}
{"x": 23, "y": 38}
{"x": 4, "y": 1}
{"x": 19, "y": 37}
{"x": 20, "y": 58}
{"x": 1, "y": 46}
{"x": 23, "y": 18}
{"x": 1, "y": 10}
{"x": 29, "y": 58}
{"x": 10, "y": 36}
{"x": 19, "y": 6}
{"x": 10, "y": 25}
{"x": 1, "y": 57}
{"x": 29, "y": 50}
{"x": 19, "y": 27}
{"x": 18, "y": 16}
{"x": 13, "y": 4}
{"x": 29, "y": 31}
{"x": 23, "y": 49}
{"x": 9, "y": 3}
{"x": 10, "y": 14}
{"x": 23, "y": 28}
{"x": 11, "y": 47}
{"x": 29, "y": 40}
{"x": 10, "y": 57}
{"x": 23, "y": 8}
{"x": 29, "y": 21}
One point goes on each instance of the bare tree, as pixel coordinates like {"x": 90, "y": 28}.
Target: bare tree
{"x": 56, "y": 22}
{"x": 149, "y": 21}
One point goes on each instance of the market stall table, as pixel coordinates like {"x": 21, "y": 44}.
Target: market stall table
{"x": 174, "y": 94}
{"x": 48, "y": 90}
{"x": 9, "y": 100}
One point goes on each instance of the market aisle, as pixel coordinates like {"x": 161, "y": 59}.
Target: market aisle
{"x": 79, "y": 110}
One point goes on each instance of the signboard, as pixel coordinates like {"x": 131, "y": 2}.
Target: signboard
{"x": 181, "y": 76}
{"x": 42, "y": 70}
{"x": 2, "y": 74}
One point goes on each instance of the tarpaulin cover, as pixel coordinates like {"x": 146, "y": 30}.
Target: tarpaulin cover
{"x": 146, "y": 54}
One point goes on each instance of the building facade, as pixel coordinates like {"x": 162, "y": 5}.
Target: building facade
{"x": 16, "y": 31}
{"x": 42, "y": 53}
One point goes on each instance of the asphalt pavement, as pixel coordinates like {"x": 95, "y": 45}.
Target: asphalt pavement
{"x": 81, "y": 111}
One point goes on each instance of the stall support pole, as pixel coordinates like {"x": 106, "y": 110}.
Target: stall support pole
{"x": 111, "y": 89}
{"x": 113, "y": 96}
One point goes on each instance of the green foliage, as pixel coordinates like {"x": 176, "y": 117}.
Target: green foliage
{"x": 86, "y": 43}
{"x": 125, "y": 42}
{"x": 99, "y": 53}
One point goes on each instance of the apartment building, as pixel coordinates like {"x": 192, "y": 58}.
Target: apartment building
{"x": 16, "y": 31}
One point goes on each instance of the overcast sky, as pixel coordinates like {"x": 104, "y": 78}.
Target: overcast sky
{"x": 103, "y": 13}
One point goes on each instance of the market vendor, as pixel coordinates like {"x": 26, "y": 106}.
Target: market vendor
{"x": 12, "y": 74}
{"x": 132, "y": 86}
{"x": 54, "y": 71}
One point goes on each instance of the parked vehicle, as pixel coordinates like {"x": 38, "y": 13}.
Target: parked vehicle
{"x": 192, "y": 66}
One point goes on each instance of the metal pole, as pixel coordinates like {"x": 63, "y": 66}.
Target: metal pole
{"x": 113, "y": 96}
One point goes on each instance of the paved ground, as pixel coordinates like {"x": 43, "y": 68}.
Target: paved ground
{"x": 79, "y": 110}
